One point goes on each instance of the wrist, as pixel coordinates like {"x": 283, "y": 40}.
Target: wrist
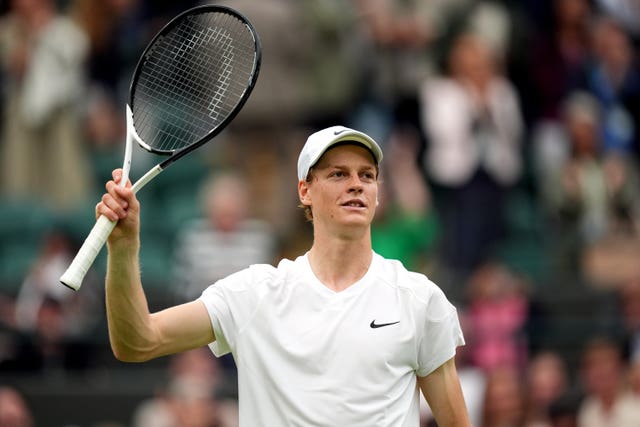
{"x": 123, "y": 247}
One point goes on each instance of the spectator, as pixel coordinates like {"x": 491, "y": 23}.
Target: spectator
{"x": 594, "y": 198}
{"x": 224, "y": 240}
{"x": 196, "y": 394}
{"x": 613, "y": 78}
{"x": 473, "y": 126}
{"x": 607, "y": 400}
{"x": 42, "y": 284}
{"x": 42, "y": 55}
{"x": 547, "y": 381}
{"x": 494, "y": 318}
{"x": 51, "y": 323}
{"x": 577, "y": 191}
{"x": 504, "y": 399}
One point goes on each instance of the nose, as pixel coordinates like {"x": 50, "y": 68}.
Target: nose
{"x": 355, "y": 184}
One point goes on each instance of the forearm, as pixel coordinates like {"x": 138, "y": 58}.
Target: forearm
{"x": 130, "y": 328}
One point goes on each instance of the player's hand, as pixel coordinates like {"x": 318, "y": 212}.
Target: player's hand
{"x": 120, "y": 204}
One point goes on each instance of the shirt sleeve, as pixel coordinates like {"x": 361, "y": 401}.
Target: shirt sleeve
{"x": 441, "y": 334}
{"x": 231, "y": 302}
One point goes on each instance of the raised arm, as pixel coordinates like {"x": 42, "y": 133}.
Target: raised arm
{"x": 136, "y": 334}
{"x": 442, "y": 390}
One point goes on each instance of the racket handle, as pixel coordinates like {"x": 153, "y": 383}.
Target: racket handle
{"x": 92, "y": 245}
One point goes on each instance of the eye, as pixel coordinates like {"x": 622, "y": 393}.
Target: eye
{"x": 368, "y": 176}
{"x": 337, "y": 174}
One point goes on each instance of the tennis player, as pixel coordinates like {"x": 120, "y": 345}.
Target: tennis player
{"x": 337, "y": 337}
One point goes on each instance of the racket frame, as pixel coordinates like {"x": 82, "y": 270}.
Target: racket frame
{"x": 177, "y": 154}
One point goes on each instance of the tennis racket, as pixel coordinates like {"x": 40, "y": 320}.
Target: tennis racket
{"x": 190, "y": 82}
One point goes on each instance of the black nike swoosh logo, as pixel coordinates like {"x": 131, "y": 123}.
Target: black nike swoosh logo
{"x": 338, "y": 132}
{"x": 374, "y": 325}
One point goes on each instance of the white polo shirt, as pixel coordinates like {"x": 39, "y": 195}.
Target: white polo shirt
{"x": 309, "y": 356}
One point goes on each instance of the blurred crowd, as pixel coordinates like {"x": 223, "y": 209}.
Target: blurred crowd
{"x": 511, "y": 131}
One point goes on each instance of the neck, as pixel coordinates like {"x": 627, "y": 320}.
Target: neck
{"x": 341, "y": 262}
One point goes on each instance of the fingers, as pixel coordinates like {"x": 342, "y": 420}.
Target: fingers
{"x": 116, "y": 201}
{"x": 111, "y": 207}
{"x": 114, "y": 207}
{"x": 117, "y": 176}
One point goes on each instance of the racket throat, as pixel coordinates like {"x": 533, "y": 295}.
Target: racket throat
{"x": 155, "y": 171}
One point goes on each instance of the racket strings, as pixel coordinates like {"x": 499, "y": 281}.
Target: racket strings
{"x": 192, "y": 79}
{"x": 184, "y": 88}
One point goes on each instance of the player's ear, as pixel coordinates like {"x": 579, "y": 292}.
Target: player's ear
{"x": 303, "y": 192}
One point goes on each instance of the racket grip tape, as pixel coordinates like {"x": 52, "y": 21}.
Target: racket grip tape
{"x": 83, "y": 260}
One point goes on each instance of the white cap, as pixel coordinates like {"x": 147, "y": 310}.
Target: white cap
{"x": 318, "y": 143}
